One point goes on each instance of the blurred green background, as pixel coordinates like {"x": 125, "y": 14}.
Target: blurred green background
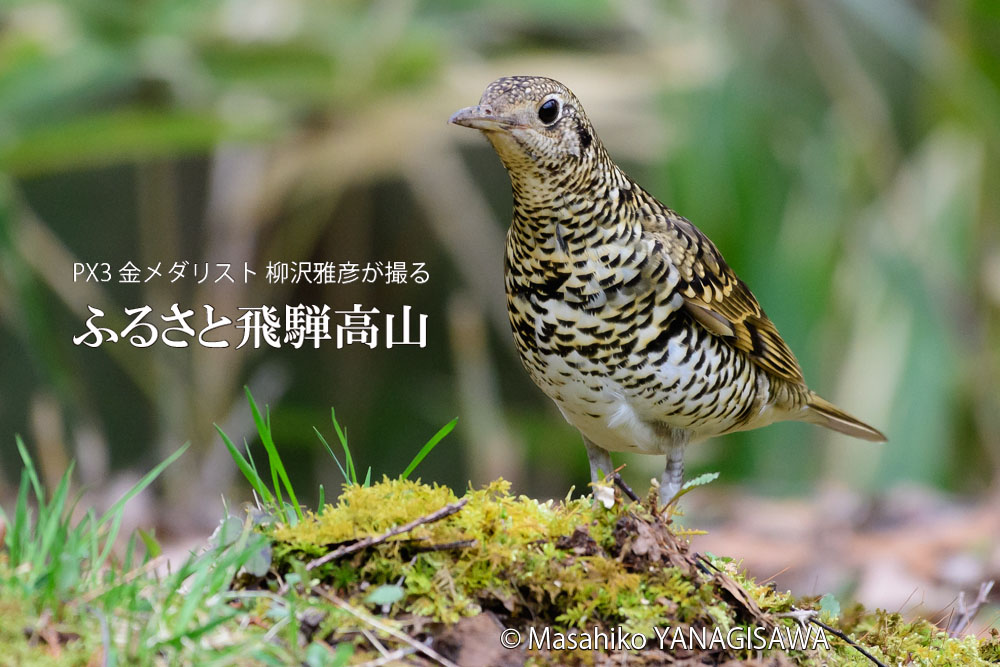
{"x": 844, "y": 156}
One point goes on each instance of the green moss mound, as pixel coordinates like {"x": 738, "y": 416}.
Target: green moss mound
{"x": 587, "y": 582}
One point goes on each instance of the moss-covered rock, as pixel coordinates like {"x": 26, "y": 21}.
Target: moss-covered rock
{"x": 580, "y": 581}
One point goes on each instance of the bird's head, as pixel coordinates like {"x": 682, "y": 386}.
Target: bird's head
{"x": 534, "y": 123}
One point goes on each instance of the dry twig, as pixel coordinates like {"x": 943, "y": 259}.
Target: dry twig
{"x": 444, "y": 546}
{"x": 965, "y": 614}
{"x": 378, "y": 625}
{"x": 620, "y": 483}
{"x": 340, "y": 552}
{"x": 396, "y": 655}
{"x": 860, "y": 649}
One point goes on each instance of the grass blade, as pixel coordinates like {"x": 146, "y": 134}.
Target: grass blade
{"x": 248, "y": 469}
{"x": 431, "y": 444}
{"x": 50, "y": 519}
{"x": 274, "y": 459}
{"x": 29, "y": 466}
{"x": 347, "y": 478}
{"x": 109, "y": 543}
{"x": 347, "y": 450}
{"x": 17, "y": 534}
{"x": 141, "y": 484}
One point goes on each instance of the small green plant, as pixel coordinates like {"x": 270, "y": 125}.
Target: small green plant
{"x": 692, "y": 484}
{"x": 53, "y": 554}
{"x": 430, "y": 445}
{"x": 247, "y": 465}
{"x": 292, "y": 511}
{"x": 66, "y": 589}
{"x": 348, "y": 471}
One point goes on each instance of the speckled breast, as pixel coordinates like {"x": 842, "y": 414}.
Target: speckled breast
{"x": 603, "y": 333}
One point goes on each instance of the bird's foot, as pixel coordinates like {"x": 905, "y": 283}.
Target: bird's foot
{"x": 668, "y": 492}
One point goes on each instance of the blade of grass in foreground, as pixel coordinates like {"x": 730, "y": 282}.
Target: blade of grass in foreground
{"x": 274, "y": 459}
{"x": 141, "y": 484}
{"x": 347, "y": 477}
{"x": 54, "y": 554}
{"x": 431, "y": 444}
{"x": 347, "y": 450}
{"x": 248, "y": 469}
{"x": 29, "y": 467}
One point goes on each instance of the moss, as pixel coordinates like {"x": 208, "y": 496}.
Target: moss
{"x": 891, "y": 638}
{"x": 38, "y": 641}
{"x": 501, "y": 560}
{"x": 990, "y": 650}
{"x": 569, "y": 566}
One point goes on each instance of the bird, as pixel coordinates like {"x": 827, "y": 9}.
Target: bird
{"x": 623, "y": 312}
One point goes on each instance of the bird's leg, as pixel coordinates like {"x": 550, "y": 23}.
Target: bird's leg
{"x": 673, "y": 475}
{"x": 600, "y": 461}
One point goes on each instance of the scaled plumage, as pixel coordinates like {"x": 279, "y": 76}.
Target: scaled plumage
{"x": 623, "y": 312}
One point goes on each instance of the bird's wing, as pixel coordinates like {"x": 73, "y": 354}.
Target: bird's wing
{"x": 717, "y": 299}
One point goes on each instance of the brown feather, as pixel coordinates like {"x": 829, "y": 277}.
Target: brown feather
{"x": 718, "y": 300}
{"x": 823, "y": 412}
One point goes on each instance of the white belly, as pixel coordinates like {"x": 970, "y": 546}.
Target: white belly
{"x": 681, "y": 393}
{"x": 605, "y": 411}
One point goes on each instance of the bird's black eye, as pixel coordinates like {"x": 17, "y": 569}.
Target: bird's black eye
{"x": 549, "y": 111}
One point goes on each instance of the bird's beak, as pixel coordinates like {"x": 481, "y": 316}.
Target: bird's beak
{"x": 480, "y": 117}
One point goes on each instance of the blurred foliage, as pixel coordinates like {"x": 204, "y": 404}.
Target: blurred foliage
{"x": 843, "y": 155}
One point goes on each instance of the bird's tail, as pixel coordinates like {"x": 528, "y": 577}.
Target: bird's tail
{"x": 821, "y": 411}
